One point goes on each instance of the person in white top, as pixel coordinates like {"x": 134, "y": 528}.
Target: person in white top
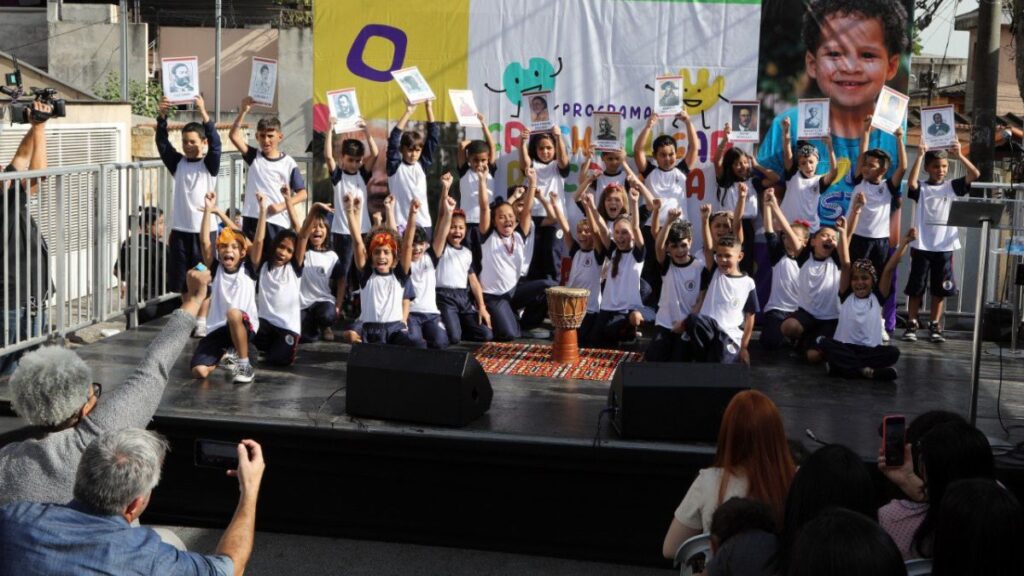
{"x": 385, "y": 289}
{"x": 477, "y": 160}
{"x": 856, "y": 350}
{"x": 349, "y": 178}
{"x": 594, "y": 181}
{"x": 419, "y": 262}
{"x": 279, "y": 298}
{"x": 195, "y": 173}
{"x": 871, "y": 238}
{"x": 587, "y": 259}
{"x": 622, "y": 310}
{"x": 320, "y": 308}
{"x": 409, "y": 156}
{"x": 786, "y": 254}
{"x": 931, "y": 255}
{"x": 680, "y": 287}
{"x": 817, "y": 293}
{"x": 545, "y": 153}
{"x": 803, "y": 183}
{"x": 233, "y": 318}
{"x": 503, "y": 257}
{"x": 271, "y": 172}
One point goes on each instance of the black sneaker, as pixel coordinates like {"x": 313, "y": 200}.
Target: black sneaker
{"x": 910, "y": 334}
{"x": 886, "y": 374}
{"x": 936, "y": 333}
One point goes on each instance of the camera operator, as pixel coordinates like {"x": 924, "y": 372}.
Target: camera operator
{"x": 24, "y": 288}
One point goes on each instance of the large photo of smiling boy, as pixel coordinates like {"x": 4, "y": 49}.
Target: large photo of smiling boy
{"x": 851, "y": 49}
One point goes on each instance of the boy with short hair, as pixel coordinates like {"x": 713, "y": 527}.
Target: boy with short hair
{"x": 722, "y": 321}
{"x": 194, "y": 173}
{"x": 931, "y": 255}
{"x": 409, "y": 157}
{"x": 680, "y": 287}
{"x": 349, "y": 180}
{"x": 477, "y": 160}
{"x": 270, "y": 172}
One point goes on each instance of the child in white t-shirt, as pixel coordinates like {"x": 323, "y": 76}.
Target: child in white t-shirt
{"x": 786, "y": 253}
{"x": 817, "y": 293}
{"x": 680, "y": 287}
{"x": 419, "y": 259}
{"x": 409, "y": 156}
{"x": 587, "y": 259}
{"x": 545, "y": 153}
{"x": 803, "y": 183}
{"x": 320, "y": 307}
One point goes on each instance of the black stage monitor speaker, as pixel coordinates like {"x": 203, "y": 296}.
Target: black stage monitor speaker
{"x": 426, "y": 386}
{"x": 672, "y": 400}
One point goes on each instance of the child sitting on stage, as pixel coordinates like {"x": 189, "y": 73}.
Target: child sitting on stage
{"x": 680, "y": 287}
{"x": 786, "y": 254}
{"x": 232, "y": 319}
{"x": 503, "y": 256}
{"x": 857, "y": 349}
{"x": 593, "y": 182}
{"x": 803, "y": 183}
{"x": 409, "y": 157}
{"x": 419, "y": 261}
{"x": 931, "y": 256}
{"x": 385, "y": 289}
{"x": 319, "y": 307}
{"x": 587, "y": 259}
{"x": 722, "y": 321}
{"x": 456, "y": 279}
{"x": 622, "y": 310}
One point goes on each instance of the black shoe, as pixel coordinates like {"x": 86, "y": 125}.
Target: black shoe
{"x": 886, "y": 374}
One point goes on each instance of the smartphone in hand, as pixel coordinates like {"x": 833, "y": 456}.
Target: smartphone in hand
{"x": 894, "y": 439}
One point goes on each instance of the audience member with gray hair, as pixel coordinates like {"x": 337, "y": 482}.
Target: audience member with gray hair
{"x": 53, "y": 390}
{"x": 93, "y": 534}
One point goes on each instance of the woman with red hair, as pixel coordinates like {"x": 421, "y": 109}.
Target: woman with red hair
{"x": 752, "y": 461}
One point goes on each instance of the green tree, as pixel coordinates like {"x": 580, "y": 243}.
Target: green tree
{"x": 143, "y": 96}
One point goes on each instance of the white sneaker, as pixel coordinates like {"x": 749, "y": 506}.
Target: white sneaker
{"x": 242, "y": 373}
{"x": 885, "y": 336}
{"x": 200, "y": 331}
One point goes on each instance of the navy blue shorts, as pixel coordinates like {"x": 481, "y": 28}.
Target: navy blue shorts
{"x": 277, "y": 344}
{"x": 874, "y": 249}
{"x": 389, "y": 333}
{"x": 813, "y": 327}
{"x": 343, "y": 248}
{"x": 931, "y": 270}
{"x": 183, "y": 253}
{"x": 213, "y": 346}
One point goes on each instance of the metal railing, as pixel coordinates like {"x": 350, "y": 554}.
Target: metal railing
{"x": 76, "y": 250}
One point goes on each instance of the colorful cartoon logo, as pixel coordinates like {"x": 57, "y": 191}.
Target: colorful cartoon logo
{"x": 516, "y": 80}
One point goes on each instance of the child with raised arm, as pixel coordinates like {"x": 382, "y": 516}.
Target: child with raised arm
{"x": 271, "y": 172}
{"x": 803, "y": 183}
{"x": 722, "y": 223}
{"x": 194, "y": 174}
{"x": 594, "y": 179}
{"x": 409, "y": 157}
{"x": 786, "y": 253}
{"x": 385, "y": 288}
{"x": 349, "y": 178}
{"x": 680, "y": 287}
{"x": 233, "y": 319}
{"x": 477, "y": 161}
{"x": 279, "y": 298}
{"x": 546, "y": 154}
{"x": 857, "y": 350}
{"x": 622, "y": 309}
{"x": 320, "y": 308}
{"x": 503, "y": 257}
{"x": 587, "y": 258}
{"x": 459, "y": 296}
{"x": 719, "y": 327}
{"x": 419, "y": 261}
{"x": 931, "y": 253}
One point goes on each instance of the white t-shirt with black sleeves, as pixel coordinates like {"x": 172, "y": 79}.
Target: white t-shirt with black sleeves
{"x": 318, "y": 269}
{"x": 727, "y": 197}
{"x": 354, "y": 186}
{"x": 800, "y": 202}
{"x": 669, "y": 185}
{"x": 728, "y": 299}
{"x": 232, "y": 290}
{"x": 382, "y": 295}
{"x": 622, "y": 291}
{"x": 680, "y": 288}
{"x": 874, "y": 216}
{"x": 550, "y": 178}
{"x": 785, "y": 275}
{"x": 192, "y": 180}
{"x": 469, "y": 190}
{"x": 423, "y": 275}
{"x": 280, "y": 294}
{"x": 931, "y": 206}
{"x": 818, "y": 287}
{"x": 502, "y": 260}
{"x": 453, "y": 267}
{"x": 860, "y": 319}
{"x": 267, "y": 176}
{"x": 586, "y": 273}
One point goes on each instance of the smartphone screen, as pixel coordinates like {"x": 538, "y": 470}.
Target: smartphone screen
{"x": 894, "y": 435}
{"x": 216, "y": 454}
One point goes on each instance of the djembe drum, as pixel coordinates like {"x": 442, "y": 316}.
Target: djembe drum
{"x": 566, "y": 308}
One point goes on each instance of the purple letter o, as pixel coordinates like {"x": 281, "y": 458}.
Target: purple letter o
{"x": 358, "y": 66}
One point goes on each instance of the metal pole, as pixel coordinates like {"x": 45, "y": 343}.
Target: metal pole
{"x": 986, "y": 78}
{"x": 124, "y": 50}
{"x": 216, "y": 61}
{"x": 979, "y": 301}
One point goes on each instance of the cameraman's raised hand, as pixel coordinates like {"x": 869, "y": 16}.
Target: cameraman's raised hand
{"x": 40, "y": 113}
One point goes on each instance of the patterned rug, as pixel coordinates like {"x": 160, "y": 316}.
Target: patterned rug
{"x": 535, "y": 360}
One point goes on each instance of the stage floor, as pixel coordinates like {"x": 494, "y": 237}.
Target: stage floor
{"x": 311, "y": 394}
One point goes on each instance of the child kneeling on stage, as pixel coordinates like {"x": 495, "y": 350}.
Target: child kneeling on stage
{"x": 232, "y": 320}
{"x": 386, "y": 289}
{"x": 857, "y": 350}
{"x": 719, "y": 329}
{"x": 680, "y": 287}
{"x": 419, "y": 263}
